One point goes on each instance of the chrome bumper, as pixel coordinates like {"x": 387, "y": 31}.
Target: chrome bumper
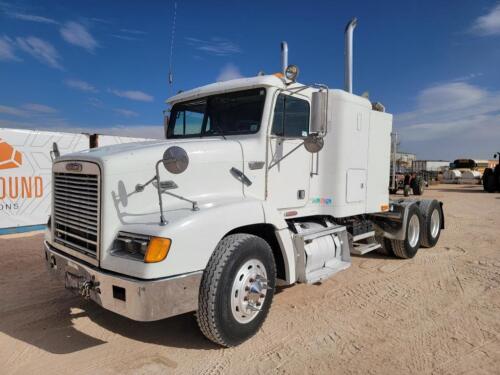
{"x": 140, "y": 300}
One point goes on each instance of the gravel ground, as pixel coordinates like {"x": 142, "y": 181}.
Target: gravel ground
{"x": 436, "y": 313}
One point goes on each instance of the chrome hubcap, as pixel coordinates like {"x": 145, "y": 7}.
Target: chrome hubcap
{"x": 249, "y": 291}
{"x": 413, "y": 231}
{"x": 435, "y": 223}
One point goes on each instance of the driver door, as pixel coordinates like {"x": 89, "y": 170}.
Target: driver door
{"x": 289, "y": 177}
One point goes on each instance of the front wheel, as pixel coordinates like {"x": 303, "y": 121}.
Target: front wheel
{"x": 236, "y": 289}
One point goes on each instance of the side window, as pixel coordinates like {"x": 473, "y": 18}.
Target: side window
{"x": 291, "y": 117}
{"x": 188, "y": 123}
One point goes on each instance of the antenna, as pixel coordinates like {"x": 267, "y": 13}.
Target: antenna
{"x": 170, "y": 71}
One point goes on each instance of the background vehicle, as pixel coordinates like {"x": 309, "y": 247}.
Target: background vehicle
{"x": 417, "y": 183}
{"x": 258, "y": 184}
{"x": 398, "y": 175}
{"x": 470, "y": 164}
{"x": 491, "y": 177}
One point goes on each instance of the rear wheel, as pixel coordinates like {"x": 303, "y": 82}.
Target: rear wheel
{"x": 432, "y": 219}
{"x": 496, "y": 173}
{"x": 418, "y": 186}
{"x": 489, "y": 182}
{"x": 408, "y": 247}
{"x": 386, "y": 246}
{"x": 236, "y": 289}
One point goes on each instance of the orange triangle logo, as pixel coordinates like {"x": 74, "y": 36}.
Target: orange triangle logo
{"x": 9, "y": 156}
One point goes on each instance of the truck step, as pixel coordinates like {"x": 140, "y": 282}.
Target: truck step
{"x": 359, "y": 248}
{"x": 362, "y": 236}
{"x": 331, "y": 268}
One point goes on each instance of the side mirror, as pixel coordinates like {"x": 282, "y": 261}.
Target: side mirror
{"x": 54, "y": 154}
{"x": 319, "y": 112}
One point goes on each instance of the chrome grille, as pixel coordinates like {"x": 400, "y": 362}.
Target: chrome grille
{"x": 76, "y": 212}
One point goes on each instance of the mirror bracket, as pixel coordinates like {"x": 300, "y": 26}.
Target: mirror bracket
{"x": 160, "y": 191}
{"x": 162, "y": 187}
{"x": 284, "y": 156}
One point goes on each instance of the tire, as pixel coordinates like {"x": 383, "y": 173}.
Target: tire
{"x": 418, "y": 186}
{"x": 219, "y": 316}
{"x": 496, "y": 173}
{"x": 432, "y": 219}
{"x": 408, "y": 248}
{"x": 489, "y": 183}
{"x": 386, "y": 248}
{"x": 488, "y": 180}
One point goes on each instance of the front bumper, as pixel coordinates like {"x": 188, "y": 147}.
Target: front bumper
{"x": 141, "y": 300}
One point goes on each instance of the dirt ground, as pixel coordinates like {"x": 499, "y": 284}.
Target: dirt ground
{"x": 436, "y": 313}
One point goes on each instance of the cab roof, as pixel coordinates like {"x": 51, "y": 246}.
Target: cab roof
{"x": 228, "y": 86}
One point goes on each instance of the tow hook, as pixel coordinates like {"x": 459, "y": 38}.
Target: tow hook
{"x": 87, "y": 286}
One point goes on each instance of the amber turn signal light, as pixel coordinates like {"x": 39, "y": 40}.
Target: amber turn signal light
{"x": 157, "y": 249}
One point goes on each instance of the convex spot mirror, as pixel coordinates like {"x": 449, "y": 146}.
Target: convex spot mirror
{"x": 175, "y": 159}
{"x": 318, "y": 112}
{"x": 313, "y": 143}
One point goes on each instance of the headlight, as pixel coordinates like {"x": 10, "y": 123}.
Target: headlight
{"x": 141, "y": 247}
{"x": 292, "y": 72}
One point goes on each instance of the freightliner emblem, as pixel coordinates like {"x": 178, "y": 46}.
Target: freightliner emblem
{"x": 74, "y": 167}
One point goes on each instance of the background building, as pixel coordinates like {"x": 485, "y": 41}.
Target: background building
{"x": 429, "y": 165}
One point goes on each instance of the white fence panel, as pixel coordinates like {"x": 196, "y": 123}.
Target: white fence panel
{"x": 25, "y": 172}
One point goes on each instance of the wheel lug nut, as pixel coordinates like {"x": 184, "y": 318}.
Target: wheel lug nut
{"x": 251, "y": 280}
{"x": 262, "y": 295}
{"x": 247, "y": 289}
{"x": 258, "y": 304}
{"x": 245, "y": 299}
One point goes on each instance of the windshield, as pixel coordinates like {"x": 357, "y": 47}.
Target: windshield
{"x": 223, "y": 114}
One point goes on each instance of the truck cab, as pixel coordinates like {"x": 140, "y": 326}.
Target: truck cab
{"x": 260, "y": 182}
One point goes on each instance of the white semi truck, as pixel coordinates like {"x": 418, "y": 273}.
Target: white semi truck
{"x": 261, "y": 182}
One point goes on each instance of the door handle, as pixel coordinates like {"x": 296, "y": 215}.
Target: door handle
{"x": 239, "y": 175}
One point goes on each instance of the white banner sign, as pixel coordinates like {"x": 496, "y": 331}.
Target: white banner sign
{"x": 25, "y": 172}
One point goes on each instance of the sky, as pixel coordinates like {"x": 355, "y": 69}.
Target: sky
{"x": 102, "y": 66}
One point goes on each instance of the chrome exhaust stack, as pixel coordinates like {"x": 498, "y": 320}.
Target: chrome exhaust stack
{"x": 348, "y": 38}
{"x": 284, "y": 56}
